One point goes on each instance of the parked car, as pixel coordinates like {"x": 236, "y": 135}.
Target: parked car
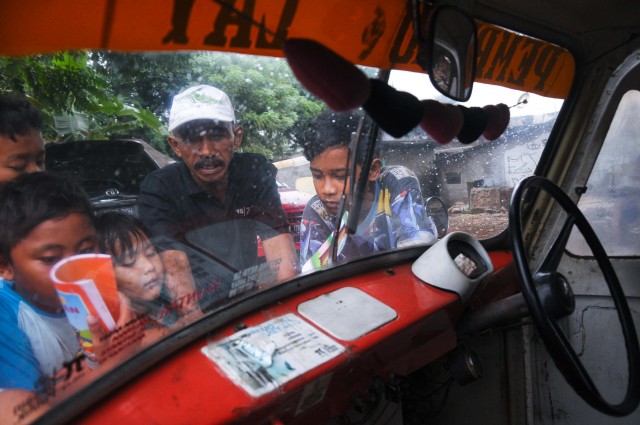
{"x": 109, "y": 170}
{"x": 293, "y": 202}
{"x": 525, "y": 312}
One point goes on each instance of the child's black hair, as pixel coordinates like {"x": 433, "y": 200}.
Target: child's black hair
{"x": 33, "y": 198}
{"x": 118, "y": 234}
{"x": 17, "y": 116}
{"x": 336, "y": 129}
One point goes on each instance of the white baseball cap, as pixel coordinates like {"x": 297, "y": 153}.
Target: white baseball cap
{"x": 200, "y": 103}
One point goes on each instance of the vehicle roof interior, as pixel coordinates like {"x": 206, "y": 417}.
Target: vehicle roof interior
{"x": 582, "y": 24}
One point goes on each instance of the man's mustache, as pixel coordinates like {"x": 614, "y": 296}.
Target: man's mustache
{"x": 208, "y": 163}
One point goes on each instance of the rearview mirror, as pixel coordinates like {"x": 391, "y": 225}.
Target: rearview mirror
{"x": 450, "y": 52}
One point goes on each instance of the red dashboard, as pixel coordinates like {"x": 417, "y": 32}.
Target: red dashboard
{"x": 191, "y": 388}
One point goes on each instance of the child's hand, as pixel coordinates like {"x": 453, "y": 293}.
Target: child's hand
{"x": 124, "y": 340}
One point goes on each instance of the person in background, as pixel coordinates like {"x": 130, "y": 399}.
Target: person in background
{"x": 139, "y": 271}
{"x": 392, "y": 213}
{"x": 21, "y": 142}
{"x": 44, "y": 218}
{"x": 214, "y": 196}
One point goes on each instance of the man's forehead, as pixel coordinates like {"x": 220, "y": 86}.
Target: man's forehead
{"x": 205, "y": 124}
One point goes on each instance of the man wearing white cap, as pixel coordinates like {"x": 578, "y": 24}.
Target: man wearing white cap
{"x": 216, "y": 198}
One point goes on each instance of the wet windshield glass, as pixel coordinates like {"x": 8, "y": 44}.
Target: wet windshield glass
{"x": 475, "y": 180}
{"x": 211, "y": 177}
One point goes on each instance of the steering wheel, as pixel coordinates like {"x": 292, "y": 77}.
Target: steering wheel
{"x": 539, "y": 288}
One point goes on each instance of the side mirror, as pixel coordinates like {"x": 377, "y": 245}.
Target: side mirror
{"x": 448, "y": 50}
{"x": 436, "y": 209}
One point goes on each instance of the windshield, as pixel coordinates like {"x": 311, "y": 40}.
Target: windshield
{"x": 475, "y": 180}
{"x": 226, "y": 179}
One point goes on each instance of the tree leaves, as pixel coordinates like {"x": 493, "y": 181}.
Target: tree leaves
{"x": 129, "y": 95}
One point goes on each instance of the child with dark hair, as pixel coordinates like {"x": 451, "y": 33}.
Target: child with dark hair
{"x": 393, "y": 213}
{"x": 21, "y": 142}
{"x": 43, "y": 219}
{"x": 139, "y": 270}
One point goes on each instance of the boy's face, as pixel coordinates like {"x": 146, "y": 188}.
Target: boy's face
{"x": 140, "y": 274}
{"x": 25, "y": 155}
{"x": 330, "y": 173}
{"x": 34, "y": 256}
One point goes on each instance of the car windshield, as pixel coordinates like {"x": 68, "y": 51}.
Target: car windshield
{"x": 295, "y": 201}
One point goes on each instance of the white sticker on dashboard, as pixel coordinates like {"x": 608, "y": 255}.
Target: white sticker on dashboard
{"x": 261, "y": 358}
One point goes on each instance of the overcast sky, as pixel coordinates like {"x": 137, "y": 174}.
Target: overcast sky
{"x": 483, "y": 94}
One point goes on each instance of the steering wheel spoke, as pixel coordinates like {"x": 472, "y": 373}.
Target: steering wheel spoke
{"x": 542, "y": 288}
{"x": 554, "y": 256}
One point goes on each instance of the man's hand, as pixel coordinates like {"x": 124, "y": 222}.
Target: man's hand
{"x": 280, "y": 249}
{"x": 179, "y": 281}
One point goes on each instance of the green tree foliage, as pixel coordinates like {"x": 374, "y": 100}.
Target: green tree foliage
{"x": 149, "y": 79}
{"x": 76, "y": 99}
{"x": 115, "y": 95}
{"x": 272, "y": 107}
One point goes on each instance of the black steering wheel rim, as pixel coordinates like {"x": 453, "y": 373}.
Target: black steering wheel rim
{"x": 557, "y": 345}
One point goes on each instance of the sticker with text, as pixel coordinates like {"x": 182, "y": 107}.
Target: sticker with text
{"x": 259, "y": 359}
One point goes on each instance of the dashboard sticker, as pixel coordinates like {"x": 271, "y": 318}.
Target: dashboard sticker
{"x": 261, "y": 358}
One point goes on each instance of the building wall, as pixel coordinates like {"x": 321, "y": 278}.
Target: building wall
{"x": 490, "y": 199}
{"x": 453, "y": 171}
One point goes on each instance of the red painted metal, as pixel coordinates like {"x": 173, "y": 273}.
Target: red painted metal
{"x": 189, "y": 388}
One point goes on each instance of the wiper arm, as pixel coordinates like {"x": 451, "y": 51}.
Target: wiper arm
{"x": 358, "y": 188}
{"x": 357, "y": 191}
